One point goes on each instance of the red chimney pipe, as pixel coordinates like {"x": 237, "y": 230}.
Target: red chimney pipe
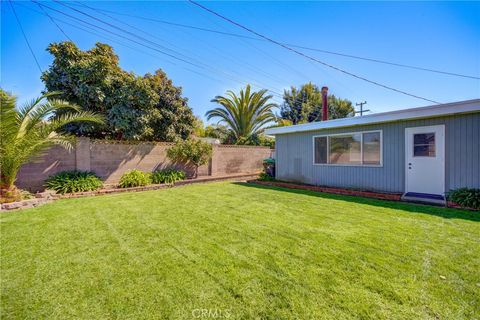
{"x": 324, "y": 103}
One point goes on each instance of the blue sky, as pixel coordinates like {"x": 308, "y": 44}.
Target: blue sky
{"x": 438, "y": 35}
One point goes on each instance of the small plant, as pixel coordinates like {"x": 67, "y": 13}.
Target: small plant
{"x": 169, "y": 176}
{"x": 465, "y": 197}
{"x": 265, "y": 177}
{"x": 73, "y": 181}
{"x": 269, "y": 167}
{"x": 134, "y": 178}
{"x": 194, "y": 152}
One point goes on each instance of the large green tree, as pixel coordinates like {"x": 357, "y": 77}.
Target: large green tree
{"x": 136, "y": 107}
{"x": 246, "y": 113}
{"x": 305, "y": 105}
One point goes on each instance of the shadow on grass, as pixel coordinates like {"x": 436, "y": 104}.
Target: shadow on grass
{"x": 447, "y": 213}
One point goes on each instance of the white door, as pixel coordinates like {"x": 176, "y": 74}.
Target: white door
{"x": 425, "y": 160}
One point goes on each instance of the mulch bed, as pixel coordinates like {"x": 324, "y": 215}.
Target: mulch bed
{"x": 348, "y": 192}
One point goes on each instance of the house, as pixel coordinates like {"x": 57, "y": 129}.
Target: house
{"x": 420, "y": 152}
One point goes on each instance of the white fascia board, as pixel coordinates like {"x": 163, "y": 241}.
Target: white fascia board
{"x": 406, "y": 114}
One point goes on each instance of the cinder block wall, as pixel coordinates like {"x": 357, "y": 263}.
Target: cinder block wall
{"x": 229, "y": 159}
{"x": 111, "y": 160}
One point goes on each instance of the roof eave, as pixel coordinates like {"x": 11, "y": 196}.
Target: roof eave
{"x": 442, "y": 110}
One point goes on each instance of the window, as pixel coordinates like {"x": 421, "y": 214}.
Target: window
{"x": 320, "y": 149}
{"x": 371, "y": 148}
{"x": 346, "y": 149}
{"x": 359, "y": 148}
{"x": 424, "y": 144}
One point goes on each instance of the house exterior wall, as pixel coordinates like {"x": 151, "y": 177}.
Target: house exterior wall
{"x": 294, "y": 156}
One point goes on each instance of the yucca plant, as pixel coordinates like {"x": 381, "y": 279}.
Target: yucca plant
{"x": 245, "y": 114}
{"x": 26, "y": 132}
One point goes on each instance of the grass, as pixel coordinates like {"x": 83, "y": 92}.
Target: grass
{"x": 239, "y": 251}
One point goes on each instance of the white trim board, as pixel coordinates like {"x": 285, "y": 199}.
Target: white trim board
{"x": 469, "y": 106}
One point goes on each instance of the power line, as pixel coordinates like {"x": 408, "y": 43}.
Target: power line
{"x": 231, "y": 34}
{"x": 309, "y": 57}
{"x": 244, "y": 63}
{"x": 115, "y": 41}
{"x": 53, "y": 21}
{"x": 44, "y": 13}
{"x": 137, "y": 42}
{"x": 143, "y": 39}
{"x": 120, "y": 29}
{"x": 387, "y": 62}
{"x": 25, "y": 36}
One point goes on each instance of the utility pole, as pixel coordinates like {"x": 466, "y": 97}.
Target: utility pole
{"x": 361, "y": 108}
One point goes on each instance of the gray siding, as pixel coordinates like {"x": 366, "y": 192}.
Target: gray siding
{"x": 294, "y": 156}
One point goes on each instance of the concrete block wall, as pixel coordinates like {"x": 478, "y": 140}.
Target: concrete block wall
{"x": 33, "y": 174}
{"x": 110, "y": 160}
{"x": 229, "y": 159}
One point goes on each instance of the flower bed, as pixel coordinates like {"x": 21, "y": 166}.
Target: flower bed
{"x": 348, "y": 192}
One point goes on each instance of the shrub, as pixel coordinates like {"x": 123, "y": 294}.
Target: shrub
{"x": 134, "y": 178}
{"x": 269, "y": 166}
{"x": 191, "y": 151}
{"x": 465, "y": 197}
{"x": 265, "y": 177}
{"x": 167, "y": 176}
{"x": 73, "y": 181}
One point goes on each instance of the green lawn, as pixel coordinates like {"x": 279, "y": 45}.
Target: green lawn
{"x": 241, "y": 251}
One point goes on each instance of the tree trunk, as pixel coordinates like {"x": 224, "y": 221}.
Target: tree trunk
{"x": 9, "y": 194}
{"x": 196, "y": 172}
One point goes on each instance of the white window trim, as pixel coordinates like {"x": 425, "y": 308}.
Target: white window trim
{"x": 361, "y": 149}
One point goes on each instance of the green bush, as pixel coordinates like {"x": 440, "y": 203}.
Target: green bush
{"x": 169, "y": 176}
{"x": 134, "y": 178}
{"x": 465, "y": 197}
{"x": 73, "y": 181}
{"x": 265, "y": 177}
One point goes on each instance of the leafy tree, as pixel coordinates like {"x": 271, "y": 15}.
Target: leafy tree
{"x": 221, "y": 132}
{"x": 257, "y": 140}
{"x": 29, "y": 130}
{"x": 298, "y": 104}
{"x": 191, "y": 152}
{"x": 244, "y": 114}
{"x": 198, "y": 127}
{"x": 135, "y": 107}
{"x": 305, "y": 105}
{"x": 171, "y": 117}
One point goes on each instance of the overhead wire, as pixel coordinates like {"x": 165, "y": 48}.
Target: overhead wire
{"x": 53, "y": 21}
{"x": 330, "y": 52}
{"x": 99, "y": 34}
{"x": 25, "y": 36}
{"x": 310, "y": 57}
{"x": 244, "y": 63}
{"x": 144, "y": 39}
{"x": 140, "y": 43}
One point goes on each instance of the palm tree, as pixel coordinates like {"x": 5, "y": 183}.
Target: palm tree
{"x": 245, "y": 114}
{"x": 29, "y": 130}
